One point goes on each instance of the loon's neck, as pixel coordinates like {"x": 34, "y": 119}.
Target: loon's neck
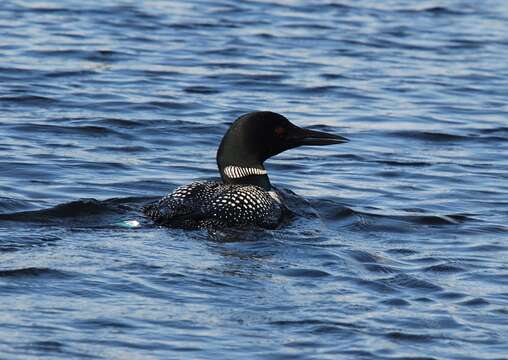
{"x": 240, "y": 157}
{"x": 245, "y": 175}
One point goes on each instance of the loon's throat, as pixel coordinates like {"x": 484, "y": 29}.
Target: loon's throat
{"x": 246, "y": 175}
{"x": 236, "y": 172}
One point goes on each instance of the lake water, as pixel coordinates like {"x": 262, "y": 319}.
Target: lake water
{"x": 400, "y": 253}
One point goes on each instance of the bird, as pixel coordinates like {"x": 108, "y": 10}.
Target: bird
{"x": 243, "y": 196}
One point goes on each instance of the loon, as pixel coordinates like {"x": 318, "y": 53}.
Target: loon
{"x": 245, "y": 196}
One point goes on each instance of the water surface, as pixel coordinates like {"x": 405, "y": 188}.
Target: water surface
{"x": 400, "y": 250}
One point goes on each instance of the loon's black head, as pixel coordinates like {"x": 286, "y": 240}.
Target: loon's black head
{"x": 257, "y": 136}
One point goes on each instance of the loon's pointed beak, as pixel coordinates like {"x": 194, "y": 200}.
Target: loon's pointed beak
{"x": 312, "y": 137}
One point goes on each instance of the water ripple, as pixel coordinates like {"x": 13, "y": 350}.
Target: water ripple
{"x": 397, "y": 243}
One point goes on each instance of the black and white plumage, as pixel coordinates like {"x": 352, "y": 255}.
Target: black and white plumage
{"x": 245, "y": 196}
{"x": 212, "y": 204}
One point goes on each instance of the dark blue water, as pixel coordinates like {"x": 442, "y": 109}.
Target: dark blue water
{"x": 400, "y": 253}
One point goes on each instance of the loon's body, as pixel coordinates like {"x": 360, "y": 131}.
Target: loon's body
{"x": 213, "y": 204}
{"x": 244, "y": 196}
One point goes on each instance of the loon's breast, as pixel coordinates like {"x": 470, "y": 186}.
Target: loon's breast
{"x": 213, "y": 204}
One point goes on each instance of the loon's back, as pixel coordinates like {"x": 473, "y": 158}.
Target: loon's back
{"x": 213, "y": 204}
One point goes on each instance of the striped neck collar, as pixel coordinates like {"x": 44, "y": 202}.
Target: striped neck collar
{"x": 236, "y": 172}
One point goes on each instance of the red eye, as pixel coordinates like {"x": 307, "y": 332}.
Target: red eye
{"x": 280, "y": 131}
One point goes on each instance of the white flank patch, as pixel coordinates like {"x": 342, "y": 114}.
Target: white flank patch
{"x": 235, "y": 172}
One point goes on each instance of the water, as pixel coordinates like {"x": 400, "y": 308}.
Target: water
{"x": 400, "y": 252}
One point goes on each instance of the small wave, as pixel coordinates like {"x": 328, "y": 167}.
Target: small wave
{"x": 123, "y": 123}
{"x": 24, "y": 239}
{"x": 375, "y": 286}
{"x": 451, "y": 295}
{"x": 19, "y": 71}
{"x": 85, "y": 212}
{"x": 88, "y": 130}
{"x": 341, "y": 215}
{"x": 201, "y": 90}
{"x": 106, "y": 56}
{"x": 35, "y": 100}
{"x": 305, "y": 273}
{"x": 487, "y": 247}
{"x": 444, "y": 268}
{"x": 396, "y": 302}
{"x": 409, "y": 282}
{"x": 430, "y": 136}
{"x": 10, "y": 205}
{"x": 434, "y": 10}
{"x": 404, "y": 252}
{"x": 73, "y": 209}
{"x": 497, "y": 134}
{"x": 431, "y": 219}
{"x": 102, "y": 323}
{"x": 452, "y": 219}
{"x": 56, "y": 53}
{"x": 404, "y": 163}
{"x": 171, "y": 105}
{"x": 322, "y": 89}
{"x": 404, "y": 336}
{"x": 363, "y": 256}
{"x": 467, "y": 44}
{"x": 33, "y": 272}
{"x": 497, "y": 130}
{"x": 312, "y": 322}
{"x": 69, "y": 73}
{"x": 475, "y": 302}
{"x": 123, "y": 149}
